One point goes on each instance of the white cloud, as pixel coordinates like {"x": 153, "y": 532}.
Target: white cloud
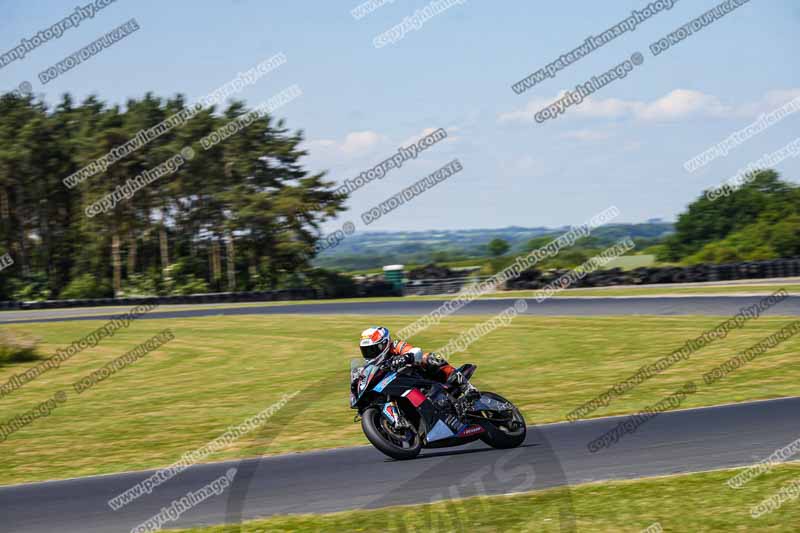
{"x": 354, "y": 144}
{"x": 586, "y": 135}
{"x": 359, "y": 144}
{"x": 606, "y": 108}
{"x": 526, "y": 113}
{"x": 590, "y": 107}
{"x": 769, "y": 102}
{"x": 679, "y": 104}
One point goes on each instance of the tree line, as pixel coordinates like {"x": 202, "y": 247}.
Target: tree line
{"x": 242, "y": 214}
{"x": 757, "y": 221}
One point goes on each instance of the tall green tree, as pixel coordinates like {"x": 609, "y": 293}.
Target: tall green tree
{"x": 498, "y": 247}
{"x": 739, "y": 226}
{"x": 242, "y": 215}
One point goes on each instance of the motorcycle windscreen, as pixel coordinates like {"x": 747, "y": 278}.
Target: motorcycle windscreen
{"x": 355, "y": 371}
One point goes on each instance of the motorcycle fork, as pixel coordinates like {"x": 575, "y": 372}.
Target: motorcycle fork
{"x": 393, "y": 415}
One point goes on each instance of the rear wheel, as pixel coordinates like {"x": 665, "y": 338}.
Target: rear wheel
{"x": 507, "y": 431}
{"x": 397, "y": 444}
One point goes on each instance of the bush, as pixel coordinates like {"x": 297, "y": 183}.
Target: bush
{"x": 140, "y": 285}
{"x": 331, "y": 284}
{"x": 190, "y": 285}
{"x": 85, "y": 287}
{"x": 32, "y": 287}
{"x": 15, "y": 348}
{"x": 179, "y": 280}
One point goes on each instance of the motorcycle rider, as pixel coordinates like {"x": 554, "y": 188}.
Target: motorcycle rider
{"x": 377, "y": 341}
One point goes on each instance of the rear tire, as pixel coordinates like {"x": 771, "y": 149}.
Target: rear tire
{"x": 380, "y": 435}
{"x": 505, "y": 436}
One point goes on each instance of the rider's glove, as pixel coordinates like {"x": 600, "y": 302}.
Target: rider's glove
{"x": 401, "y": 360}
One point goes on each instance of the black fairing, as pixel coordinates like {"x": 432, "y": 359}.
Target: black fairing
{"x": 435, "y": 407}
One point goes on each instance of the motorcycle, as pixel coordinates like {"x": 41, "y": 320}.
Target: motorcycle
{"x": 402, "y": 412}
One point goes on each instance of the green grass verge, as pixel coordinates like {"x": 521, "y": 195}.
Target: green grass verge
{"x": 692, "y": 502}
{"x": 630, "y": 262}
{"x": 221, "y": 370}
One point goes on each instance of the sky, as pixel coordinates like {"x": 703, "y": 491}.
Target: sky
{"x": 625, "y": 146}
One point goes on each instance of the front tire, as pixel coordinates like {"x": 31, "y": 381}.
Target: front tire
{"x": 505, "y": 435}
{"x": 381, "y": 435}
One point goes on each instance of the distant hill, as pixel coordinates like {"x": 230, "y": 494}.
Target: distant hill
{"x": 374, "y": 249}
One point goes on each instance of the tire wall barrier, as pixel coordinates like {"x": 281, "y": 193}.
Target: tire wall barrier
{"x": 529, "y": 279}
{"x": 774, "y": 268}
{"x": 220, "y": 297}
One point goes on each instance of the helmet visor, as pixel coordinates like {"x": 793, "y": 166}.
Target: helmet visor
{"x": 374, "y": 350}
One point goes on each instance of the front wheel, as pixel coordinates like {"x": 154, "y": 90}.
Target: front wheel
{"x": 506, "y": 431}
{"x": 403, "y": 444}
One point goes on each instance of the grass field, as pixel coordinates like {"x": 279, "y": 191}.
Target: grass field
{"x": 221, "y": 370}
{"x": 694, "y": 502}
{"x": 630, "y": 262}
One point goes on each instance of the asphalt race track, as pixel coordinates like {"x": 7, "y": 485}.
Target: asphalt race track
{"x": 556, "y": 454}
{"x": 660, "y": 305}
